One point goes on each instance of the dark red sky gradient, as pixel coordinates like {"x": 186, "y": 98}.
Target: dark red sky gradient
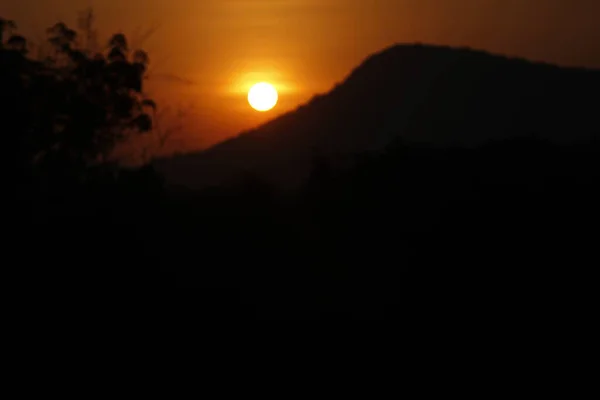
{"x": 206, "y": 53}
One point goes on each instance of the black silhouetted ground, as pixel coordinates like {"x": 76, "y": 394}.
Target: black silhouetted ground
{"x": 432, "y": 178}
{"x": 412, "y": 227}
{"x": 435, "y": 176}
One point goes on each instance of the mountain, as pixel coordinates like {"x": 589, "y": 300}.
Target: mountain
{"x": 439, "y": 96}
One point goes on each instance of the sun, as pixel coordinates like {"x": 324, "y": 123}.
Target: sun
{"x": 262, "y": 96}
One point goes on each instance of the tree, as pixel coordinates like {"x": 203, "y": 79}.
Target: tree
{"x": 17, "y": 43}
{"x": 74, "y": 106}
{"x": 6, "y": 27}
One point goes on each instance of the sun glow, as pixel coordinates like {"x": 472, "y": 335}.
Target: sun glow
{"x": 263, "y": 96}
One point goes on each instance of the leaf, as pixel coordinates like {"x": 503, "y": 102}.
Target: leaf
{"x": 143, "y": 123}
{"x": 119, "y": 41}
{"x": 7, "y": 24}
{"x": 61, "y": 36}
{"x": 139, "y": 68}
{"x": 116, "y": 55}
{"x": 77, "y": 56}
{"x": 57, "y": 28}
{"x": 123, "y": 105}
{"x": 17, "y": 43}
{"x": 62, "y": 30}
{"x": 141, "y": 57}
{"x": 149, "y": 103}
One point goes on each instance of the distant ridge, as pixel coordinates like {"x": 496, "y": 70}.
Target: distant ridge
{"x": 439, "y": 96}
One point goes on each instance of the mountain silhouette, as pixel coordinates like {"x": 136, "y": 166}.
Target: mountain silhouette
{"x": 438, "y": 96}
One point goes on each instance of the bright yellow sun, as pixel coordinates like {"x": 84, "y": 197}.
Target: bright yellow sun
{"x": 262, "y": 96}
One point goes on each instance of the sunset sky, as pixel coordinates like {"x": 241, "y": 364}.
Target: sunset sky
{"x": 207, "y": 53}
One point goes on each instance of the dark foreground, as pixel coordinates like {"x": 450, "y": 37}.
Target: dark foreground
{"x": 508, "y": 223}
{"x": 513, "y": 220}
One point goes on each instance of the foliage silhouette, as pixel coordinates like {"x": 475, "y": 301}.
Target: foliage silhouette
{"x": 62, "y": 116}
{"x": 6, "y": 27}
{"x": 75, "y": 105}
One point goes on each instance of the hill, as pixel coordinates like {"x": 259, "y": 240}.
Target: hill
{"x": 439, "y": 96}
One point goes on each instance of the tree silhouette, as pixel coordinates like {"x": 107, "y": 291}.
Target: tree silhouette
{"x": 75, "y": 105}
{"x": 6, "y": 27}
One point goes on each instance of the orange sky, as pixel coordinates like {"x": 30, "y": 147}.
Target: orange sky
{"x": 206, "y": 53}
